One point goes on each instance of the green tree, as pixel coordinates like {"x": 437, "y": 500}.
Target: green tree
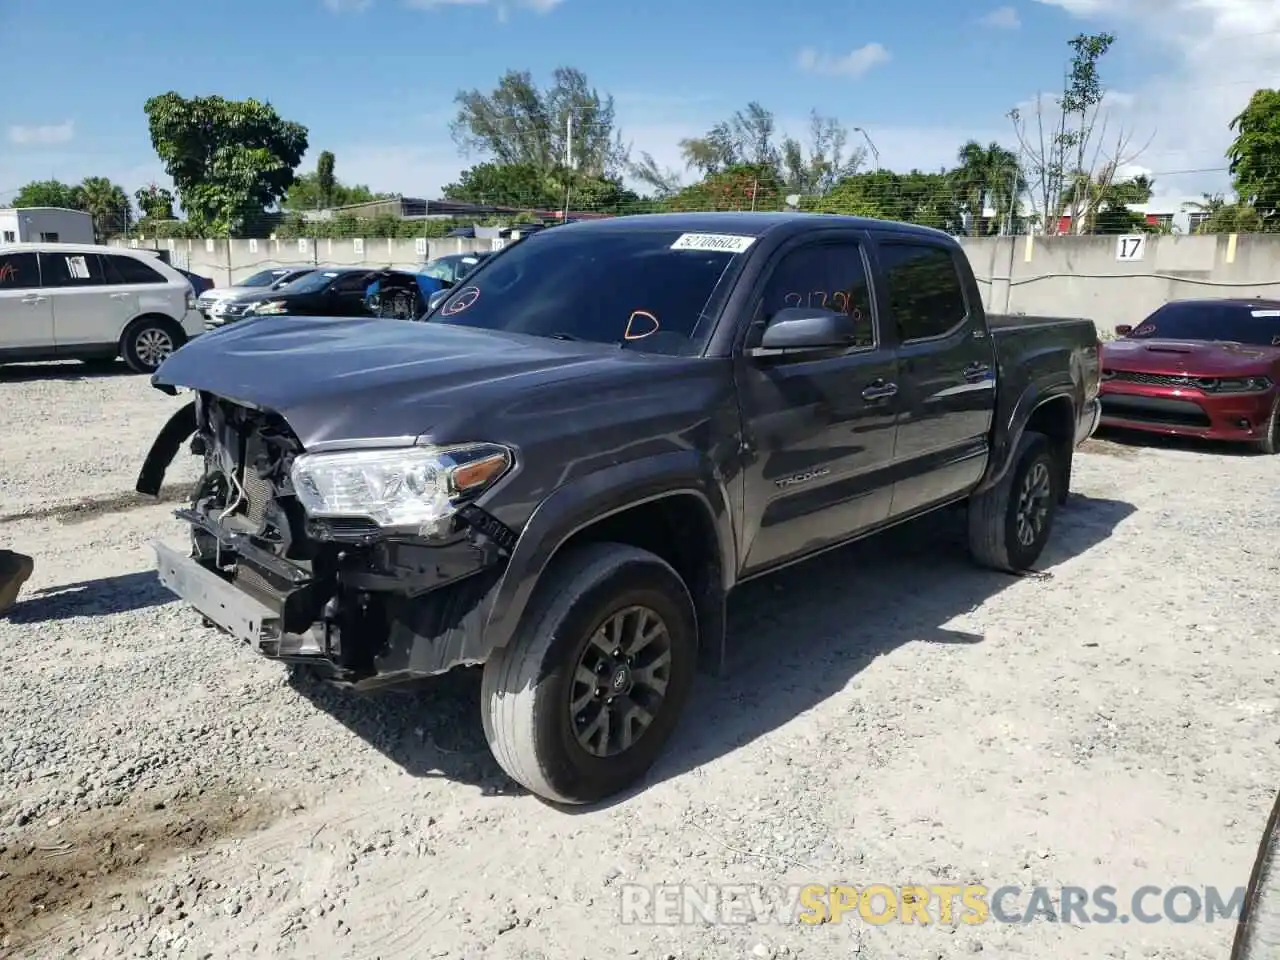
{"x": 739, "y": 187}
{"x": 749, "y": 138}
{"x": 229, "y": 159}
{"x": 306, "y": 194}
{"x": 989, "y": 176}
{"x": 49, "y": 193}
{"x": 1063, "y": 146}
{"x": 929, "y": 199}
{"x": 517, "y": 123}
{"x": 506, "y": 185}
{"x": 325, "y": 182}
{"x": 1255, "y": 156}
{"x": 1222, "y": 216}
{"x": 107, "y": 204}
{"x": 155, "y": 202}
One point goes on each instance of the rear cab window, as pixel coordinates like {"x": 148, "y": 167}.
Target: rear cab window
{"x": 19, "y": 271}
{"x": 648, "y": 288}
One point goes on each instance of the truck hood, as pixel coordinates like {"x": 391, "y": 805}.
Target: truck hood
{"x": 1196, "y": 358}
{"x": 352, "y": 379}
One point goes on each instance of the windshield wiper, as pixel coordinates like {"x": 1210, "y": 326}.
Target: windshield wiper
{"x": 563, "y": 336}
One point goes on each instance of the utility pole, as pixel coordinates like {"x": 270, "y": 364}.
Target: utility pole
{"x": 568, "y": 163}
{"x": 874, "y": 152}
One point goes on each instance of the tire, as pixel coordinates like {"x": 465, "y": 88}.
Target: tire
{"x": 1269, "y": 444}
{"x": 527, "y": 687}
{"x": 149, "y": 341}
{"x": 1258, "y": 928}
{"x": 994, "y": 529}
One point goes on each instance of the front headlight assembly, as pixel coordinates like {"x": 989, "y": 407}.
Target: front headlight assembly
{"x": 267, "y": 308}
{"x": 1254, "y": 384}
{"x": 409, "y": 487}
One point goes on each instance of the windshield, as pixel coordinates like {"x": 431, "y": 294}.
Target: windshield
{"x": 287, "y": 278}
{"x": 313, "y": 282}
{"x": 260, "y": 279}
{"x": 644, "y": 288}
{"x": 1230, "y": 323}
{"x": 441, "y": 268}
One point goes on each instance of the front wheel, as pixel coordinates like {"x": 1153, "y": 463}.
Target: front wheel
{"x": 149, "y": 342}
{"x": 1010, "y": 523}
{"x": 581, "y": 702}
{"x": 1269, "y": 443}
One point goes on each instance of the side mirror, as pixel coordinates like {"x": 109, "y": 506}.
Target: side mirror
{"x": 804, "y": 328}
{"x": 1123, "y": 330}
{"x": 436, "y": 299}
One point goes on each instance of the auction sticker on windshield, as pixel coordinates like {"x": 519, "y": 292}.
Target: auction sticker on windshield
{"x": 716, "y": 242}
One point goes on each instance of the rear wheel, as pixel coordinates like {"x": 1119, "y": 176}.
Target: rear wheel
{"x": 149, "y": 342}
{"x": 582, "y": 701}
{"x": 1010, "y": 523}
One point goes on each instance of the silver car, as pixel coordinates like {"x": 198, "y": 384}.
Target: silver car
{"x": 209, "y": 302}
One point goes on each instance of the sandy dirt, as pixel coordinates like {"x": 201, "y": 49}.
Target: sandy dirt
{"x": 893, "y": 715}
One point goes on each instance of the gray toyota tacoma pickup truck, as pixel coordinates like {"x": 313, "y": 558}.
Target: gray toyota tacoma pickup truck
{"x": 565, "y": 469}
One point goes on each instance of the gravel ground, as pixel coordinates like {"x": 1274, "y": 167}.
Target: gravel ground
{"x": 893, "y": 715}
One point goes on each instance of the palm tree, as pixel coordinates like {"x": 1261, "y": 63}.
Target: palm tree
{"x": 989, "y": 175}
{"x": 107, "y": 204}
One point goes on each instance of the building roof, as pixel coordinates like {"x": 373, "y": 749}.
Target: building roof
{"x": 42, "y": 210}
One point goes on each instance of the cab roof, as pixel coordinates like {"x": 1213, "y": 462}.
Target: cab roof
{"x": 744, "y": 223}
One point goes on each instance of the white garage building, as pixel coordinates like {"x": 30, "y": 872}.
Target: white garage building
{"x": 45, "y": 225}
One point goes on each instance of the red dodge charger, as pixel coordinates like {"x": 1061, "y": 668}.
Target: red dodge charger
{"x": 1198, "y": 368}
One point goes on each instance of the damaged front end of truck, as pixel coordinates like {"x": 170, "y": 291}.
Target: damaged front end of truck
{"x": 370, "y": 562}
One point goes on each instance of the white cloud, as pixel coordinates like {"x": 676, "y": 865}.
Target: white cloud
{"x": 1002, "y": 18}
{"x": 853, "y": 64}
{"x": 347, "y": 6}
{"x": 1218, "y": 51}
{"x": 45, "y": 136}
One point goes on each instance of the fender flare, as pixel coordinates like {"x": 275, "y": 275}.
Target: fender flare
{"x": 166, "y": 446}
{"x": 594, "y": 497}
{"x": 1031, "y": 399}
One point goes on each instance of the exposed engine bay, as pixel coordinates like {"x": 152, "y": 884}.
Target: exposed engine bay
{"x": 367, "y": 606}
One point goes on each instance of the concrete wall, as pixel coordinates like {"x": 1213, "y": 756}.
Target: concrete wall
{"x": 1084, "y": 277}
{"x": 1072, "y": 276}
{"x": 228, "y": 261}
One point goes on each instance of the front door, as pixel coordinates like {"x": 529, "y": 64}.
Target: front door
{"x": 26, "y": 311}
{"x": 946, "y": 370}
{"x": 817, "y": 433}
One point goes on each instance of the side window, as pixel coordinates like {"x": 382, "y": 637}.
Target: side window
{"x": 124, "y": 269}
{"x": 356, "y": 283}
{"x": 925, "y": 296}
{"x": 19, "y": 271}
{"x": 49, "y": 237}
{"x": 71, "y": 270}
{"x": 10, "y": 236}
{"x": 829, "y": 275}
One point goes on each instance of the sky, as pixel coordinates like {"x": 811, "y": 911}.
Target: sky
{"x": 374, "y": 80}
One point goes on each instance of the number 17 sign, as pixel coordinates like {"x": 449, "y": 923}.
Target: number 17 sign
{"x": 1129, "y": 248}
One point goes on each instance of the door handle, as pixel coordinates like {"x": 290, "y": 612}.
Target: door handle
{"x": 976, "y": 371}
{"x": 118, "y": 296}
{"x": 879, "y": 390}
{"x": 34, "y": 298}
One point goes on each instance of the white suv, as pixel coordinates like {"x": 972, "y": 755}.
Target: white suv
{"x": 78, "y": 301}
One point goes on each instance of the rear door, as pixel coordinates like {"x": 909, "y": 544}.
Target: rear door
{"x": 86, "y": 311}
{"x": 946, "y": 371}
{"x": 26, "y": 310}
{"x": 818, "y": 431}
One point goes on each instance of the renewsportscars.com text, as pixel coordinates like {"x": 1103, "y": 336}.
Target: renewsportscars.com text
{"x": 736, "y": 904}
